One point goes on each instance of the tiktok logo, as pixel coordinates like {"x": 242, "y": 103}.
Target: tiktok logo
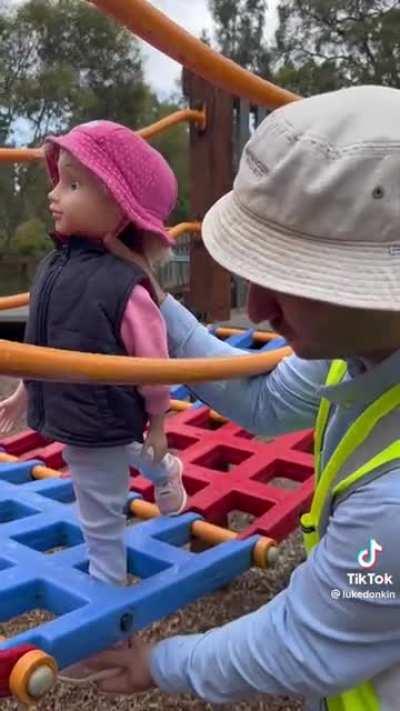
{"x": 367, "y": 556}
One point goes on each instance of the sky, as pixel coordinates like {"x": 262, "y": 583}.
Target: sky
{"x": 161, "y": 71}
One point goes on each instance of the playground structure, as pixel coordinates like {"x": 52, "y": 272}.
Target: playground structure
{"x": 43, "y": 564}
{"x": 226, "y": 468}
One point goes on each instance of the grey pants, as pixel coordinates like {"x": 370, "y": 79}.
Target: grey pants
{"x": 101, "y": 481}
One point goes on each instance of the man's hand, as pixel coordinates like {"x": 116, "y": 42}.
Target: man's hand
{"x": 134, "y": 668}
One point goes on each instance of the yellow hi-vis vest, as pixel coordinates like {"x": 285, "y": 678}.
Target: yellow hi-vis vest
{"x": 314, "y": 523}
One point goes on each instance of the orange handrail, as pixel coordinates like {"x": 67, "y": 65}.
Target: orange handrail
{"x": 20, "y": 155}
{"x": 26, "y": 155}
{"x": 14, "y": 301}
{"x": 260, "y": 336}
{"x": 190, "y": 115}
{"x": 154, "y": 27}
{"x": 183, "y": 228}
{"x": 40, "y": 363}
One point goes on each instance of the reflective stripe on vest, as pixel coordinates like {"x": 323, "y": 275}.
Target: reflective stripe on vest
{"x": 364, "y": 697}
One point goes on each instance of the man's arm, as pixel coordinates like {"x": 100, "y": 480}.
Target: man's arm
{"x": 305, "y": 641}
{"x": 285, "y": 400}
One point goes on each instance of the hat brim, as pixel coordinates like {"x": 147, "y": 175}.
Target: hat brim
{"x": 77, "y": 146}
{"x": 358, "y": 275}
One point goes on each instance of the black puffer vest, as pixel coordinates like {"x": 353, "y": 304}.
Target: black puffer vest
{"x": 77, "y": 303}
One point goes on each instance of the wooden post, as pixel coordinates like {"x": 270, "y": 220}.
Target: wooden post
{"x": 211, "y": 176}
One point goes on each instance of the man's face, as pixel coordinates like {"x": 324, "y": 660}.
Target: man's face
{"x": 320, "y": 330}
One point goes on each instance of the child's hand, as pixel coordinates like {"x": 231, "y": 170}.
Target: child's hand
{"x": 155, "y": 445}
{"x": 11, "y": 410}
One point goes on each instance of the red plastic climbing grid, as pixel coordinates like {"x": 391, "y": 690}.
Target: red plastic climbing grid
{"x": 229, "y": 474}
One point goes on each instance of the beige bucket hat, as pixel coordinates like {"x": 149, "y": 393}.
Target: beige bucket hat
{"x": 315, "y": 207}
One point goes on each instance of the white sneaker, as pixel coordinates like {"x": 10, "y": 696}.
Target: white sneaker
{"x": 170, "y": 495}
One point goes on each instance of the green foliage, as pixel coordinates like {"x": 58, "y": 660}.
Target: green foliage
{"x": 322, "y": 45}
{"x": 239, "y": 30}
{"x": 174, "y": 145}
{"x": 62, "y": 62}
{"x": 31, "y": 238}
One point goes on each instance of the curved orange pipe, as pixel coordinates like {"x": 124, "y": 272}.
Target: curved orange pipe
{"x": 14, "y": 301}
{"x": 26, "y": 155}
{"x": 20, "y": 155}
{"x": 190, "y": 115}
{"x": 154, "y": 27}
{"x": 40, "y": 363}
{"x": 260, "y": 336}
{"x": 183, "y": 228}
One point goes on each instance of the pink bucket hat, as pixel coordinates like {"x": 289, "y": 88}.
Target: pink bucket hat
{"x": 137, "y": 176}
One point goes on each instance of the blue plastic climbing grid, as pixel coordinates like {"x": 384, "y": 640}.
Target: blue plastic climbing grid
{"x": 44, "y": 562}
{"x": 39, "y": 516}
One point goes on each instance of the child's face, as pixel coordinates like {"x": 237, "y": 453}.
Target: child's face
{"x": 79, "y": 203}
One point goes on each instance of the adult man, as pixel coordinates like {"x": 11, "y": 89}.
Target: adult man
{"x": 313, "y": 223}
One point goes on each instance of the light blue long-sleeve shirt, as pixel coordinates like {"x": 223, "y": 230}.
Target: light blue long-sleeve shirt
{"x": 303, "y": 641}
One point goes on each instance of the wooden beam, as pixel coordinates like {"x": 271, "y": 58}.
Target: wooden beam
{"x": 211, "y": 176}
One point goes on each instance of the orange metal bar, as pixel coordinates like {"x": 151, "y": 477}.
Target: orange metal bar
{"x": 14, "y": 302}
{"x": 38, "y": 472}
{"x": 26, "y": 155}
{"x": 40, "y": 363}
{"x": 265, "y": 550}
{"x": 261, "y": 336}
{"x": 154, "y": 27}
{"x": 177, "y": 117}
{"x": 20, "y": 155}
{"x": 183, "y": 228}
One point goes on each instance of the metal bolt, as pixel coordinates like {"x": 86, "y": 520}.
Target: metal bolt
{"x": 378, "y": 192}
{"x": 126, "y": 622}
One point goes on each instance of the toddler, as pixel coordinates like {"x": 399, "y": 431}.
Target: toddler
{"x": 106, "y": 181}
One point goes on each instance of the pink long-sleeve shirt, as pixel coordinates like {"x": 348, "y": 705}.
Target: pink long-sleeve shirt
{"x": 144, "y": 334}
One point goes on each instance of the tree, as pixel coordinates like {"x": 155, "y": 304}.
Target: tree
{"x": 31, "y": 238}
{"x": 174, "y": 145}
{"x": 322, "y": 45}
{"x": 239, "y": 31}
{"x": 62, "y": 63}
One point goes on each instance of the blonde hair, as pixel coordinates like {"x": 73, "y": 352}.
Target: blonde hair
{"x": 156, "y": 252}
